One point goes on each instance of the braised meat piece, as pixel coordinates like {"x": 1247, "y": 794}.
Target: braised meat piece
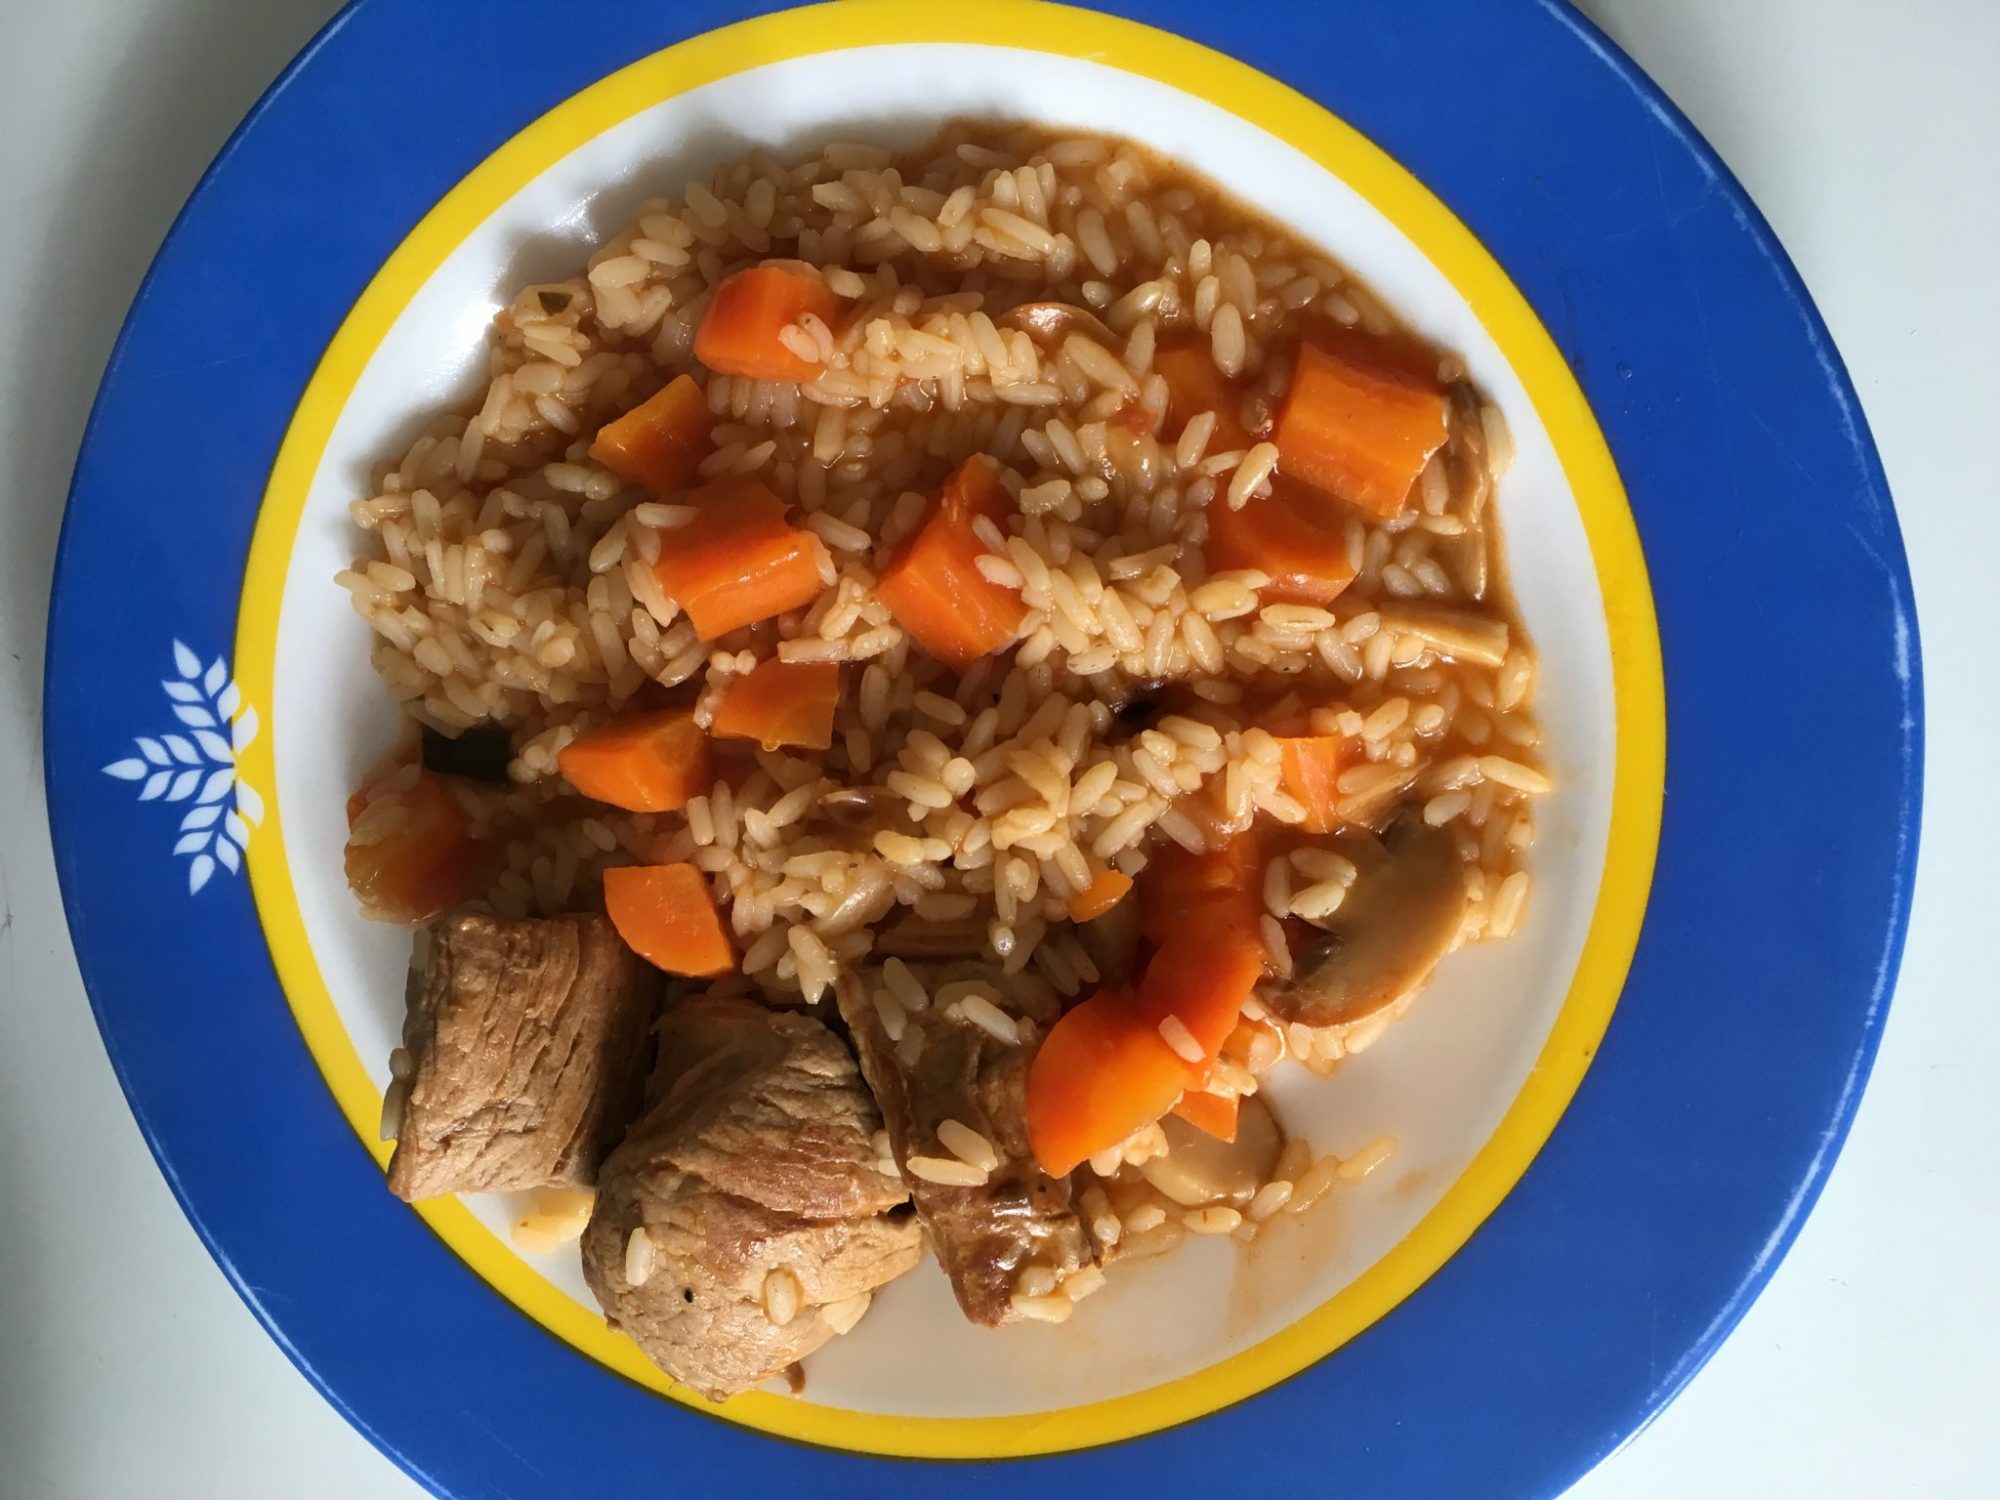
{"x": 746, "y": 1218}
{"x": 526, "y": 1043}
{"x": 953, "y": 1088}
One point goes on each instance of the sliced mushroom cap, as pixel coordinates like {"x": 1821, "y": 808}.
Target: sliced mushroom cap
{"x": 1199, "y": 1169}
{"x": 853, "y": 807}
{"x": 1402, "y": 915}
{"x": 1049, "y": 323}
{"x": 1450, "y": 632}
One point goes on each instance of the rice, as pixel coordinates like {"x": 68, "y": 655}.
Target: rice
{"x": 638, "y": 1257}
{"x": 1145, "y": 700}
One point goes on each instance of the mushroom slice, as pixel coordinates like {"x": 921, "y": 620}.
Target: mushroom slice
{"x": 857, "y": 807}
{"x": 1049, "y": 323}
{"x": 1402, "y": 915}
{"x": 1449, "y": 632}
{"x": 1200, "y": 1169}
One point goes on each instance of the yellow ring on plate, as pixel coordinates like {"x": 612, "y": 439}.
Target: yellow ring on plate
{"x": 1638, "y": 690}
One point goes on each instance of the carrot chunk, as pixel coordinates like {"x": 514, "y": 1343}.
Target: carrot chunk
{"x": 1310, "y": 768}
{"x": 1094, "y": 900}
{"x": 1107, "y": 1068}
{"x": 666, "y": 914}
{"x": 1100, "y": 1074}
{"x": 411, "y": 855}
{"x": 1209, "y": 1113}
{"x": 1289, "y": 538}
{"x": 781, "y": 703}
{"x": 1199, "y": 978}
{"x": 1356, "y": 428}
{"x": 1221, "y": 889}
{"x": 1195, "y": 385}
{"x": 738, "y": 561}
{"x": 934, "y": 587}
{"x": 742, "y": 331}
{"x": 645, "y": 762}
{"x": 660, "y": 442}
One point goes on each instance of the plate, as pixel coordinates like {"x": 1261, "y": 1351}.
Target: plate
{"x": 1696, "y": 515}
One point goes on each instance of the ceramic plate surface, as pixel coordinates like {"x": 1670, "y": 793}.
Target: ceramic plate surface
{"x": 1697, "y": 530}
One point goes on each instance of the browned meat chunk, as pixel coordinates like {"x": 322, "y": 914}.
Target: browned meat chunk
{"x": 746, "y": 1218}
{"x": 527, "y": 1045}
{"x": 944, "y": 1082}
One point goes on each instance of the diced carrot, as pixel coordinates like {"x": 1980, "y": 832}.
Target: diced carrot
{"x": 660, "y": 442}
{"x": 1358, "y": 428}
{"x": 1200, "y": 975}
{"x": 1287, "y": 536}
{"x": 741, "y": 333}
{"x": 1311, "y": 765}
{"x": 645, "y": 762}
{"x": 1195, "y": 385}
{"x": 1209, "y": 1113}
{"x": 1106, "y": 1068}
{"x": 417, "y": 856}
{"x": 934, "y": 587}
{"x": 1094, "y": 900}
{"x": 1100, "y": 1074}
{"x": 1219, "y": 889}
{"x": 738, "y": 561}
{"x": 666, "y": 914}
{"x": 781, "y": 703}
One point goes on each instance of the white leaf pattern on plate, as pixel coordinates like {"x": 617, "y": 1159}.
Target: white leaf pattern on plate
{"x": 174, "y": 767}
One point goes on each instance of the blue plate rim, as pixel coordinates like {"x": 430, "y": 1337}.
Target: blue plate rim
{"x": 1890, "y": 559}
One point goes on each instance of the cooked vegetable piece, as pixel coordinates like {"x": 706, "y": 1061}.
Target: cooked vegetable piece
{"x": 1450, "y": 632}
{"x": 1288, "y": 536}
{"x": 411, "y": 854}
{"x": 480, "y": 753}
{"x": 667, "y": 916}
{"x": 742, "y": 331}
{"x": 1107, "y": 1068}
{"x": 1200, "y": 1168}
{"x": 781, "y": 703}
{"x": 1198, "y": 980}
{"x": 934, "y": 586}
{"x": 1094, "y": 900}
{"x": 1194, "y": 386}
{"x": 1357, "y": 428}
{"x": 1049, "y": 323}
{"x": 1211, "y": 1114}
{"x": 644, "y": 762}
{"x": 1219, "y": 889}
{"x": 738, "y": 561}
{"x": 1311, "y": 770}
{"x": 1100, "y": 1074}
{"x": 1403, "y": 915}
{"x": 661, "y": 442}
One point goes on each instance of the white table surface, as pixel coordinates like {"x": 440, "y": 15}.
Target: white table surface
{"x": 1868, "y": 131}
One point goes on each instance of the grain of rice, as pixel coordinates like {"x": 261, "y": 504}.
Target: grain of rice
{"x": 968, "y": 1145}
{"x": 1511, "y": 773}
{"x": 842, "y": 1316}
{"x": 781, "y": 1296}
{"x": 1268, "y": 1200}
{"x": 1313, "y": 1184}
{"x": 946, "y": 1171}
{"x": 1367, "y": 1159}
{"x": 638, "y": 1257}
{"x": 1212, "y": 1220}
{"x": 978, "y": 1011}
{"x": 1049, "y": 1308}
{"x": 1174, "y": 1032}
